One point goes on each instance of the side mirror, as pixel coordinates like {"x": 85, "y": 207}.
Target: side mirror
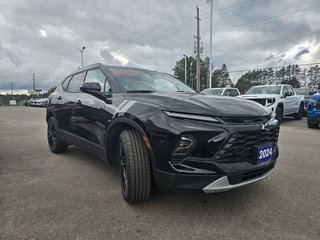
{"x": 286, "y": 94}
{"x": 90, "y": 87}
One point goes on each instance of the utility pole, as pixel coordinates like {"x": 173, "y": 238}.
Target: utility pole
{"x": 11, "y": 90}
{"x": 198, "y": 51}
{"x": 185, "y": 69}
{"x": 33, "y": 81}
{"x": 210, "y": 63}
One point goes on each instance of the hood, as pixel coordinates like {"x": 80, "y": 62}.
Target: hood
{"x": 315, "y": 97}
{"x": 202, "y": 104}
{"x": 258, "y": 96}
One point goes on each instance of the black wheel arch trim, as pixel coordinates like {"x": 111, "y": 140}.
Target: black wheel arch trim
{"x": 50, "y": 113}
{"x": 134, "y": 125}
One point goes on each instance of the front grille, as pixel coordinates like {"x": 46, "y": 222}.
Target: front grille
{"x": 244, "y": 120}
{"x": 262, "y": 101}
{"x": 240, "y": 147}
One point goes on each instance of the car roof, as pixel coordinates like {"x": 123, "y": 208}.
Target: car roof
{"x": 96, "y": 65}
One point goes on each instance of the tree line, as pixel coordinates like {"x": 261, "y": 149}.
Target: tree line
{"x": 220, "y": 76}
{"x": 294, "y": 75}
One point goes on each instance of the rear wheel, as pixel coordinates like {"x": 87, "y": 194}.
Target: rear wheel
{"x": 312, "y": 125}
{"x": 279, "y": 113}
{"x": 134, "y": 167}
{"x": 56, "y": 145}
{"x": 299, "y": 114}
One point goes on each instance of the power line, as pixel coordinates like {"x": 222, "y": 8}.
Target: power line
{"x": 252, "y": 2}
{"x": 274, "y": 67}
{"x": 268, "y": 41}
{"x": 157, "y": 29}
{"x": 266, "y": 20}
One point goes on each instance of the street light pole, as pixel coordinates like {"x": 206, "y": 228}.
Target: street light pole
{"x": 185, "y": 69}
{"x": 210, "y": 62}
{"x": 81, "y": 51}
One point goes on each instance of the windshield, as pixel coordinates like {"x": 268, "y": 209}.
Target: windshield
{"x": 264, "y": 90}
{"x": 147, "y": 81}
{"x": 213, "y": 91}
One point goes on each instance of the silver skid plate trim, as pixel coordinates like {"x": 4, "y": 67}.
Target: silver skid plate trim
{"x": 222, "y": 184}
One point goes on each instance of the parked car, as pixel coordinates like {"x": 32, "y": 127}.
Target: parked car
{"x": 307, "y": 93}
{"x": 314, "y": 111}
{"x": 159, "y": 130}
{"x": 30, "y": 102}
{"x": 42, "y": 102}
{"x": 280, "y": 99}
{"x": 232, "y": 92}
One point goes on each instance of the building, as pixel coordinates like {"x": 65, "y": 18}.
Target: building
{"x": 17, "y": 92}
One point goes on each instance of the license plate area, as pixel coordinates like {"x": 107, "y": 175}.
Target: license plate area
{"x": 264, "y": 153}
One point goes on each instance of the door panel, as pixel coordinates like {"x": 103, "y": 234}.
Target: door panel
{"x": 93, "y": 111}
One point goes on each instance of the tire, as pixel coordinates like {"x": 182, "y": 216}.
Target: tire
{"x": 135, "y": 167}
{"x": 312, "y": 125}
{"x": 279, "y": 113}
{"x": 56, "y": 145}
{"x": 299, "y": 114}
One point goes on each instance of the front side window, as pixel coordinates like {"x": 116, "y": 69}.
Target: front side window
{"x": 75, "y": 83}
{"x": 65, "y": 83}
{"x": 290, "y": 90}
{"x": 98, "y": 76}
{"x": 144, "y": 80}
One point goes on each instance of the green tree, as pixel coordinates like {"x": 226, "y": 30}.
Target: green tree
{"x": 179, "y": 71}
{"x": 314, "y": 76}
{"x": 293, "y": 82}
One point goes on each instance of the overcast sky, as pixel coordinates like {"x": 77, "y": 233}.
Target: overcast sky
{"x": 44, "y": 36}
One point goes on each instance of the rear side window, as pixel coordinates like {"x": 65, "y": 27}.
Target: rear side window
{"x": 233, "y": 92}
{"x": 65, "y": 83}
{"x": 75, "y": 83}
{"x": 98, "y": 76}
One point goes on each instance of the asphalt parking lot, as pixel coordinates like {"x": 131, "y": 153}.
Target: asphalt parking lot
{"x": 77, "y": 196}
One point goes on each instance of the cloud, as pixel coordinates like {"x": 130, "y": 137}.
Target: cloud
{"x": 301, "y": 52}
{"x": 44, "y": 36}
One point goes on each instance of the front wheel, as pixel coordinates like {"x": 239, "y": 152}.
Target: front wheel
{"x": 299, "y": 114}
{"x": 134, "y": 167}
{"x": 312, "y": 125}
{"x": 279, "y": 113}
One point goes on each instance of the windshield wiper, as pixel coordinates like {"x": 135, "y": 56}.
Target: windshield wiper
{"x": 140, "y": 91}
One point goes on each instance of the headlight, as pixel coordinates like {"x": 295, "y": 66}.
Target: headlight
{"x": 191, "y": 116}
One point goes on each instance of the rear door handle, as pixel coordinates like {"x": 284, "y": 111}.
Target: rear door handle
{"x": 79, "y": 102}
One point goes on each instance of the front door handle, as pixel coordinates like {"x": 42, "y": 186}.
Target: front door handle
{"x": 79, "y": 102}
{"x": 59, "y": 98}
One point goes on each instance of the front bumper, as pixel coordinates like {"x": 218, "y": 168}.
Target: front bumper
{"x": 200, "y": 169}
{"x": 212, "y": 183}
{"x": 314, "y": 116}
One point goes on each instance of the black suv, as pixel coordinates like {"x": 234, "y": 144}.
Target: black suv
{"x": 158, "y": 129}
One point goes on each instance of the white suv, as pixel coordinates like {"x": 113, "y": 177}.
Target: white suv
{"x": 282, "y": 100}
{"x": 232, "y": 92}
